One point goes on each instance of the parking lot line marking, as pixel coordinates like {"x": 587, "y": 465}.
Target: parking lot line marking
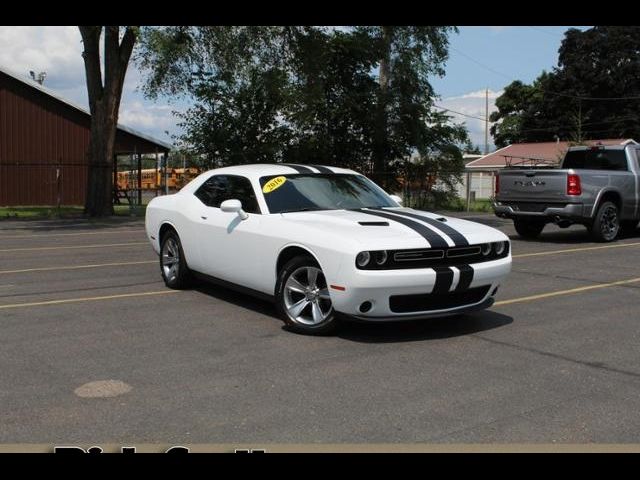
{"x": 565, "y": 292}
{"x": 86, "y": 299}
{"x": 568, "y": 250}
{"x": 2, "y": 237}
{"x": 77, "y": 267}
{"x": 70, "y": 247}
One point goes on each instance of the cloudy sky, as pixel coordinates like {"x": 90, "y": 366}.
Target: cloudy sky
{"x": 481, "y": 58}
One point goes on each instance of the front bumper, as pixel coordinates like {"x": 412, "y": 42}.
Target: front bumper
{"x": 378, "y": 286}
{"x": 426, "y": 315}
{"x": 570, "y": 211}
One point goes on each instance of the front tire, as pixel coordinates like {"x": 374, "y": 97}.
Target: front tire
{"x": 528, "y": 228}
{"x": 302, "y": 298}
{"x": 606, "y": 224}
{"x": 173, "y": 264}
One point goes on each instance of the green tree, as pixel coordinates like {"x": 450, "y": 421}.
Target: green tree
{"x": 303, "y": 94}
{"x": 573, "y": 101}
{"x": 104, "y": 89}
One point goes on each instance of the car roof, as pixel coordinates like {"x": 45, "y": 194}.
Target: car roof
{"x": 254, "y": 171}
{"x": 258, "y": 170}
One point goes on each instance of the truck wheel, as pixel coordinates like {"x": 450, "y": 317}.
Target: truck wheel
{"x": 606, "y": 224}
{"x": 528, "y": 228}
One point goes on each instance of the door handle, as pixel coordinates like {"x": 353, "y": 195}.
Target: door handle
{"x": 203, "y": 217}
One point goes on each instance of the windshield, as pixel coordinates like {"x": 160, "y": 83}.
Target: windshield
{"x": 303, "y": 192}
{"x": 596, "y": 159}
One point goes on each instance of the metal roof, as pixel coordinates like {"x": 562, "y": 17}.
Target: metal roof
{"x": 35, "y": 85}
{"x": 543, "y": 152}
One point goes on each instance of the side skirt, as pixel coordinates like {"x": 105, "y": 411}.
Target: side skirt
{"x": 234, "y": 286}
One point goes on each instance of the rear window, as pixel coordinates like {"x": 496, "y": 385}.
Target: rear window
{"x": 599, "y": 159}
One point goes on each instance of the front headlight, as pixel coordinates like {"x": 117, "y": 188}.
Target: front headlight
{"x": 485, "y": 248}
{"x": 499, "y": 247}
{"x": 380, "y": 257}
{"x": 363, "y": 259}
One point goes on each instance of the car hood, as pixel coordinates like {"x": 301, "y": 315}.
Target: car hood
{"x": 375, "y": 232}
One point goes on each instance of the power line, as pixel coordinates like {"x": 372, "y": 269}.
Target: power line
{"x": 460, "y": 113}
{"x": 545, "y": 129}
{"x": 551, "y": 129}
{"x": 546, "y": 31}
{"x": 567, "y": 95}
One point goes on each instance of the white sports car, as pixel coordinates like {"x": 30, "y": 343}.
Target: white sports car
{"x": 323, "y": 243}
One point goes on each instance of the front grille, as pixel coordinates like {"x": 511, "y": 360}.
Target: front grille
{"x": 425, "y": 302}
{"x": 463, "y": 251}
{"x": 413, "y": 255}
{"x": 434, "y": 257}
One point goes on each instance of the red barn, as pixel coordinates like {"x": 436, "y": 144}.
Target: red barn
{"x": 44, "y": 143}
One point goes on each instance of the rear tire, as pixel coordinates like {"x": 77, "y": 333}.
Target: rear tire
{"x": 528, "y": 228}
{"x": 173, "y": 263}
{"x": 606, "y": 224}
{"x": 302, "y": 298}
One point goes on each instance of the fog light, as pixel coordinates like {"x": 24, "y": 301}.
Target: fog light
{"x": 365, "y": 307}
{"x": 363, "y": 259}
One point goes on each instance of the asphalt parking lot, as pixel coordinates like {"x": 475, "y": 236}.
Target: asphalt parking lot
{"x": 556, "y": 360}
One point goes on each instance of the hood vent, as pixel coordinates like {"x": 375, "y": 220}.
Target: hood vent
{"x": 374, "y": 224}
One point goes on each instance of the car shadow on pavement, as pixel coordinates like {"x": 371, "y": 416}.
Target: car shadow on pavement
{"x": 369, "y": 332}
{"x": 571, "y": 236}
{"x": 239, "y": 299}
{"x": 421, "y": 330}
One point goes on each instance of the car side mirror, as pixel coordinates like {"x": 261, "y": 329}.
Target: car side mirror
{"x": 396, "y": 199}
{"x": 234, "y": 206}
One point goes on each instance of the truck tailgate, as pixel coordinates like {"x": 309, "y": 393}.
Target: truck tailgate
{"x": 541, "y": 185}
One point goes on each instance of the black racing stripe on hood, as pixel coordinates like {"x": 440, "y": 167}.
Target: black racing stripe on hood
{"x": 435, "y": 240}
{"x": 298, "y": 168}
{"x": 322, "y": 169}
{"x": 458, "y": 239}
{"x": 466, "y": 277}
{"x": 444, "y": 279}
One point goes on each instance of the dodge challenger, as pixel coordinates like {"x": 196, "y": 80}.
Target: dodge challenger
{"x": 324, "y": 243}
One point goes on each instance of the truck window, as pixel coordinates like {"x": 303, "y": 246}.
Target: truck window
{"x": 596, "y": 159}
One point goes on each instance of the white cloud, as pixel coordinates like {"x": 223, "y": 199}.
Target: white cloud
{"x": 473, "y": 104}
{"x": 149, "y": 118}
{"x": 57, "y": 50}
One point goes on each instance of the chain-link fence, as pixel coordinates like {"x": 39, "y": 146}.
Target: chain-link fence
{"x": 65, "y": 184}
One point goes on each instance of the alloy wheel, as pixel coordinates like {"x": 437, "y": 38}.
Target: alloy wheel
{"x": 306, "y": 296}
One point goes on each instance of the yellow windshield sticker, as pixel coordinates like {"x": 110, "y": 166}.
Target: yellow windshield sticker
{"x": 274, "y": 183}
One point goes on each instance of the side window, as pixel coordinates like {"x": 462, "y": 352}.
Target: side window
{"x": 241, "y": 189}
{"x": 226, "y": 187}
{"x": 211, "y": 192}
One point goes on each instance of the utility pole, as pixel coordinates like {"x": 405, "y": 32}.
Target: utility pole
{"x": 486, "y": 122}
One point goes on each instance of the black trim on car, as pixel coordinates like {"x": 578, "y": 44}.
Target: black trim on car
{"x": 437, "y": 300}
{"x": 234, "y": 286}
{"x": 460, "y": 257}
{"x": 420, "y": 316}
